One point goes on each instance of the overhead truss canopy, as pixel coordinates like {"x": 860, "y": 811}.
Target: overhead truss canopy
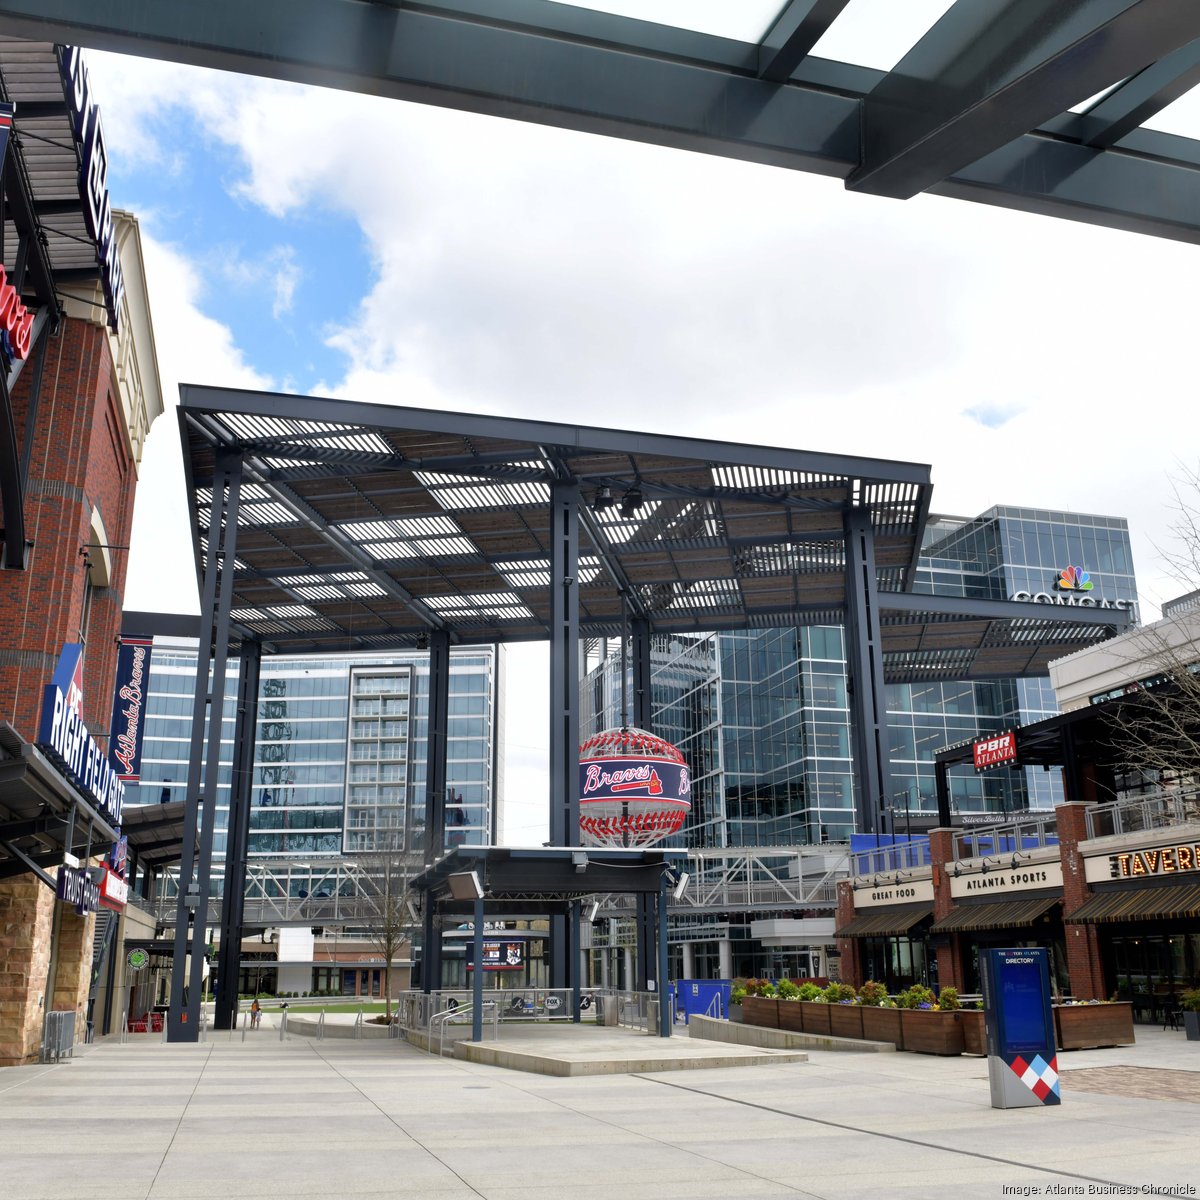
{"x": 980, "y": 107}
{"x": 364, "y": 526}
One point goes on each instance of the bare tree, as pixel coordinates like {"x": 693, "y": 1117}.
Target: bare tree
{"x": 1156, "y": 726}
{"x": 385, "y": 883}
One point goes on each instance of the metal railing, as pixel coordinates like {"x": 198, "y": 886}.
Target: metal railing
{"x": 461, "y": 1015}
{"x": 58, "y": 1036}
{"x": 885, "y": 859}
{"x": 1138, "y": 814}
{"x": 1012, "y": 837}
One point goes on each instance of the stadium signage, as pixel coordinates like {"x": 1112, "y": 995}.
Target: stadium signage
{"x": 16, "y": 321}
{"x": 995, "y": 751}
{"x": 93, "y": 176}
{"x": 66, "y": 738}
{"x": 1071, "y": 601}
{"x": 913, "y": 891}
{"x": 76, "y": 886}
{"x": 133, "y": 663}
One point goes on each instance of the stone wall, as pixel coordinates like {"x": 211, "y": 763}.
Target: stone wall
{"x": 26, "y": 919}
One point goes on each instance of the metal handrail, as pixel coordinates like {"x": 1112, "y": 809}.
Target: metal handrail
{"x": 463, "y": 1010}
{"x": 1137, "y": 814}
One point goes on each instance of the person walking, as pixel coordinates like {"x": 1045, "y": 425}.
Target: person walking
{"x": 255, "y": 1013}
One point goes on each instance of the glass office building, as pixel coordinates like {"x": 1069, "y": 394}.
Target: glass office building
{"x": 763, "y": 716}
{"x": 340, "y": 751}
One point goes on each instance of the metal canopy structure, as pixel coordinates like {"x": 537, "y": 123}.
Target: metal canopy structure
{"x": 367, "y": 526}
{"x": 482, "y": 882}
{"x": 980, "y": 107}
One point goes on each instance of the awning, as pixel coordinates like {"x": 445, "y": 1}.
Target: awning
{"x": 1128, "y": 904}
{"x": 998, "y": 915}
{"x": 882, "y": 922}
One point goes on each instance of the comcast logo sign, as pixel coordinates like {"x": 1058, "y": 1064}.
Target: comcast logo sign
{"x": 1073, "y": 579}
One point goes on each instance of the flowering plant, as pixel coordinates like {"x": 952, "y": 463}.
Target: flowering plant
{"x": 873, "y": 994}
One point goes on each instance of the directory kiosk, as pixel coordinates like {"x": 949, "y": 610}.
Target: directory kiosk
{"x": 1022, "y": 1058}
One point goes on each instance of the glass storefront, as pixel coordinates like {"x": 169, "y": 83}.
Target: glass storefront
{"x": 1150, "y": 965}
{"x": 899, "y": 962}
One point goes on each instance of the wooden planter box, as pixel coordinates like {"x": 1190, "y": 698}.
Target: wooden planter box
{"x": 974, "y": 1032}
{"x": 1086, "y": 1026}
{"x": 815, "y": 1016}
{"x": 845, "y": 1020}
{"x": 790, "y": 1017}
{"x": 759, "y": 1010}
{"x": 882, "y": 1025}
{"x": 929, "y": 1032}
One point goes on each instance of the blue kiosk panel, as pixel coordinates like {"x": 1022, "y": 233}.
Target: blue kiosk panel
{"x": 1022, "y": 1056}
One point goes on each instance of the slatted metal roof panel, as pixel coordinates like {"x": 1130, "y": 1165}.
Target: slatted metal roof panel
{"x": 42, "y": 128}
{"x": 388, "y": 522}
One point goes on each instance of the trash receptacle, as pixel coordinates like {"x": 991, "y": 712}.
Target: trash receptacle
{"x": 606, "y": 1010}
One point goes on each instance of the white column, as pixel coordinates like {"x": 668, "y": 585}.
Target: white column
{"x": 725, "y": 958}
{"x": 606, "y": 967}
{"x": 689, "y": 960}
{"x": 630, "y": 973}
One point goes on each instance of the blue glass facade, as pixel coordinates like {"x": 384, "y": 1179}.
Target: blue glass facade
{"x": 340, "y": 751}
{"x": 763, "y": 716}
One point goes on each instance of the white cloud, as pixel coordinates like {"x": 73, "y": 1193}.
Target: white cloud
{"x": 535, "y": 272}
{"x": 192, "y": 348}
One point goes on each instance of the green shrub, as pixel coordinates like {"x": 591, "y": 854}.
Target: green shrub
{"x": 788, "y": 990}
{"x": 872, "y": 994}
{"x": 809, "y": 992}
{"x": 835, "y": 993}
{"x": 948, "y": 999}
{"x": 1189, "y": 1001}
{"x": 915, "y": 996}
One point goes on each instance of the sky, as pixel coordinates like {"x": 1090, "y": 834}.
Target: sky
{"x": 318, "y": 242}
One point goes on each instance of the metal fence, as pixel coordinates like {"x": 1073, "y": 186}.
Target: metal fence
{"x": 1141, "y": 813}
{"x": 1012, "y": 837}
{"x": 58, "y": 1037}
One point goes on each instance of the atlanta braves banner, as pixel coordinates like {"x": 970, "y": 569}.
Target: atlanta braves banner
{"x": 129, "y": 708}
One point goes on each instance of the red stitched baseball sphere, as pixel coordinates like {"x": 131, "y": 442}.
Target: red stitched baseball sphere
{"x": 634, "y": 789}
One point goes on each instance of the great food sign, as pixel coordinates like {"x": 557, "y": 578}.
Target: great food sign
{"x": 93, "y": 176}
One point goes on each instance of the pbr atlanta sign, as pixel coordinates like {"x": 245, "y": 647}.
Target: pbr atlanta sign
{"x": 66, "y": 739}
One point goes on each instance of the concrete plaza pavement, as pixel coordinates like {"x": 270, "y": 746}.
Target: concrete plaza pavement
{"x": 343, "y": 1118}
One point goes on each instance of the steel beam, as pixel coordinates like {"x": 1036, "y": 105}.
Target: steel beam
{"x": 796, "y": 31}
{"x": 596, "y": 72}
{"x": 191, "y": 913}
{"x": 1132, "y": 104}
{"x": 643, "y": 707}
{"x": 970, "y": 608}
{"x": 989, "y": 72}
{"x": 237, "y": 838}
{"x": 437, "y": 744}
{"x": 564, "y": 664}
{"x": 864, "y": 655}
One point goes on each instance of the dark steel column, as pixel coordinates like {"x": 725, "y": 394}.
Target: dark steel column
{"x": 183, "y": 1019}
{"x": 431, "y": 947}
{"x": 942, "y": 775}
{"x": 237, "y": 839}
{"x": 664, "y": 997}
{"x": 435, "y": 761}
{"x": 564, "y": 665}
{"x": 644, "y": 958}
{"x": 643, "y": 710}
{"x": 477, "y": 982}
{"x": 574, "y": 950}
{"x": 864, "y": 657}
{"x": 564, "y": 699}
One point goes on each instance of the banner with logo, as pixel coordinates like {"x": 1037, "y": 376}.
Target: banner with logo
{"x": 129, "y": 708}
{"x": 995, "y": 751}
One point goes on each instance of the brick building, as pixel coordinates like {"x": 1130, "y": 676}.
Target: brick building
{"x": 82, "y": 406}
